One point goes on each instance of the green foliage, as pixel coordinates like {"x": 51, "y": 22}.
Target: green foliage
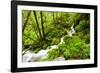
{"x": 75, "y": 48}
{"x": 53, "y": 54}
{"x": 87, "y": 38}
{"x": 83, "y": 24}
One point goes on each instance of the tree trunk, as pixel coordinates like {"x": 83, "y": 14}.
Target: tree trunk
{"x": 42, "y": 24}
{"x": 37, "y": 24}
{"x": 53, "y": 17}
{"x": 26, "y": 21}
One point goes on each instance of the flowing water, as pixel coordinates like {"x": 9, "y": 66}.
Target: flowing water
{"x": 30, "y": 56}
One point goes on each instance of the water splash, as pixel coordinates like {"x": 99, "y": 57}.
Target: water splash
{"x": 71, "y": 32}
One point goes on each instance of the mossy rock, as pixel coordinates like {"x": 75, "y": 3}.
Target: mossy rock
{"x": 55, "y": 41}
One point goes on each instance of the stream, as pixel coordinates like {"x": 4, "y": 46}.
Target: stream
{"x": 31, "y": 57}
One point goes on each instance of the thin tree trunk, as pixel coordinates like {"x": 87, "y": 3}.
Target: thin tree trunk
{"x": 53, "y": 17}
{"x": 26, "y": 21}
{"x": 37, "y": 24}
{"x": 41, "y": 14}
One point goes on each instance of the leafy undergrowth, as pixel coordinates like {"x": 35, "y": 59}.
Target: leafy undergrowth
{"x": 73, "y": 48}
